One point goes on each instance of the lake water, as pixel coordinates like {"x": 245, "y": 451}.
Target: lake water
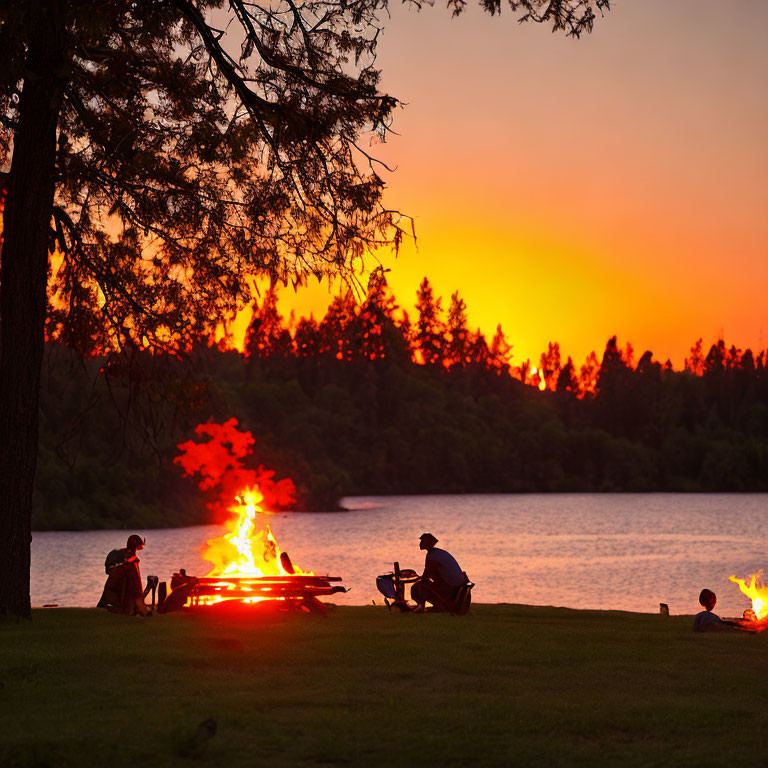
{"x": 615, "y": 551}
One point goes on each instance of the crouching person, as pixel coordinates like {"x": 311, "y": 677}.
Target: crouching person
{"x": 441, "y": 580}
{"x": 123, "y": 592}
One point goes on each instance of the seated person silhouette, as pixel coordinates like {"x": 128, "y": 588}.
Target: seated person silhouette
{"x": 441, "y": 580}
{"x": 122, "y": 592}
{"x": 706, "y": 620}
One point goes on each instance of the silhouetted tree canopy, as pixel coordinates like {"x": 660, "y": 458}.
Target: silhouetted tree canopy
{"x": 189, "y": 157}
{"x": 199, "y": 142}
{"x": 171, "y": 150}
{"x": 346, "y": 407}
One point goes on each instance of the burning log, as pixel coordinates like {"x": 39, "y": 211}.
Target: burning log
{"x": 286, "y": 563}
{"x": 304, "y": 578}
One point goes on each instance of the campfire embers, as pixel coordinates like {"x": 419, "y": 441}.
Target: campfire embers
{"x": 295, "y": 593}
{"x": 249, "y": 568}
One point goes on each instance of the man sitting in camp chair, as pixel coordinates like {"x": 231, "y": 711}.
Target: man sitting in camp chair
{"x": 442, "y": 579}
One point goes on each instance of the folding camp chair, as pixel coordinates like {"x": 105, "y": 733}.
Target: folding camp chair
{"x": 392, "y": 586}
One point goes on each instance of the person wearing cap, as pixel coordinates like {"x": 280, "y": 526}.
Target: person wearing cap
{"x": 122, "y": 592}
{"x": 442, "y": 577}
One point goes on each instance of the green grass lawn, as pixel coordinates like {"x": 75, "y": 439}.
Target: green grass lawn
{"x": 505, "y": 685}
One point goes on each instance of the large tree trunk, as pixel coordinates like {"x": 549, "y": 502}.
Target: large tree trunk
{"x": 23, "y": 280}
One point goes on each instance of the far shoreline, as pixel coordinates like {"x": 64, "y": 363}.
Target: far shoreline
{"x": 345, "y": 508}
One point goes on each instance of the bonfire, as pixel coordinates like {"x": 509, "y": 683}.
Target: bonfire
{"x": 249, "y": 567}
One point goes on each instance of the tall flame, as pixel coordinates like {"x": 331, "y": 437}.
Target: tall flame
{"x": 757, "y": 594}
{"x": 246, "y": 551}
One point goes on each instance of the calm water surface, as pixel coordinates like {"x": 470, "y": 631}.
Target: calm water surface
{"x": 622, "y": 551}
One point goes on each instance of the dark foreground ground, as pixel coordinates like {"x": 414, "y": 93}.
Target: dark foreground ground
{"x": 506, "y": 685}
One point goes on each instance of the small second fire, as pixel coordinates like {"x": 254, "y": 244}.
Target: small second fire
{"x": 753, "y": 588}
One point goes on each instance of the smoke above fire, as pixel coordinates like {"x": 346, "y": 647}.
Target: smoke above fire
{"x": 222, "y": 464}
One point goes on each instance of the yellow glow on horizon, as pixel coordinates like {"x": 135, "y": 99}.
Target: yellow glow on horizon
{"x": 233, "y": 329}
{"x": 583, "y": 188}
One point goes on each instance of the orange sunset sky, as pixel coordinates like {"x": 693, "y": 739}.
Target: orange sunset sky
{"x": 573, "y": 189}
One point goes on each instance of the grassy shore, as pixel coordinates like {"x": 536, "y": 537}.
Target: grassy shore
{"x": 506, "y": 685}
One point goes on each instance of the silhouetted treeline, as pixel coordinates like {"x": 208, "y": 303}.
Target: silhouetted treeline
{"x": 366, "y": 401}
